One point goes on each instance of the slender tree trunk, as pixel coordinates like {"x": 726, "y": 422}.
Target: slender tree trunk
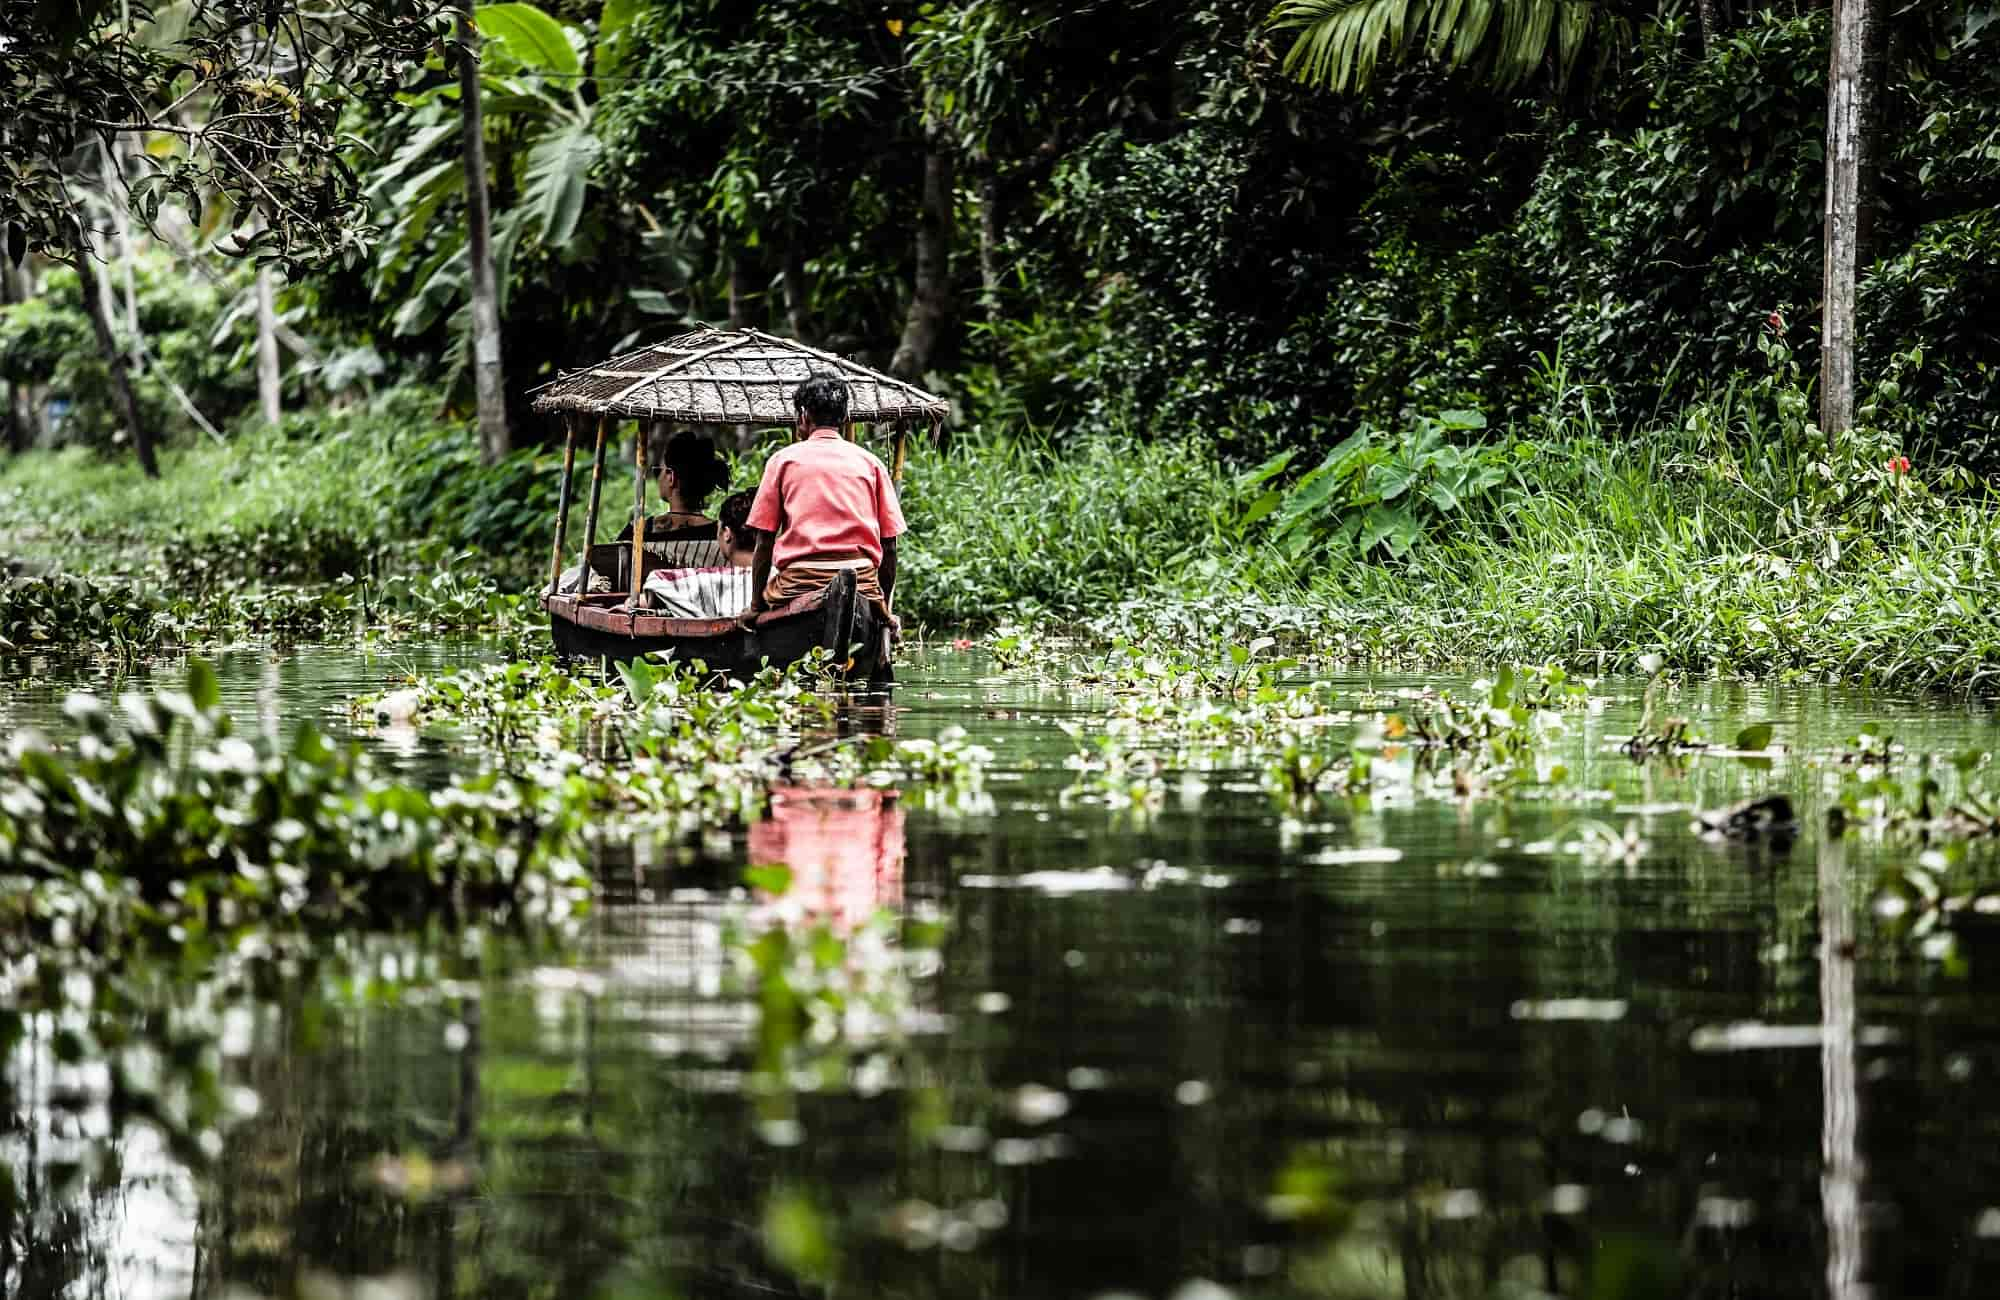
{"x": 114, "y": 183}
{"x": 489, "y": 376}
{"x": 269, "y": 390}
{"x": 19, "y": 430}
{"x": 1874, "y": 65}
{"x": 1846, "y": 96}
{"x": 114, "y": 357}
{"x": 1710, "y": 13}
{"x": 930, "y": 302}
{"x": 794, "y": 276}
{"x": 989, "y": 243}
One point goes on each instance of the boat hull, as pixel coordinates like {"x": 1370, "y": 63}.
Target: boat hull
{"x": 848, "y": 628}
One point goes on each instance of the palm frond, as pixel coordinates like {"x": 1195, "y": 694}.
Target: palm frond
{"x": 1341, "y": 42}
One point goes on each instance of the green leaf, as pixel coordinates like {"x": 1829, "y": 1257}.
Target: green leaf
{"x": 1755, "y": 736}
{"x": 608, "y": 59}
{"x": 1389, "y": 481}
{"x": 202, "y": 686}
{"x": 1264, "y": 473}
{"x": 558, "y": 179}
{"x": 530, "y": 37}
{"x": 772, "y": 878}
{"x": 1307, "y": 496}
{"x": 1380, "y": 524}
{"x": 1261, "y": 507}
{"x": 639, "y": 677}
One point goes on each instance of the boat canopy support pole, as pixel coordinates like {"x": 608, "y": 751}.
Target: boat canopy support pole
{"x": 902, "y": 449}
{"x": 596, "y": 487}
{"x": 562, "y": 505}
{"x": 638, "y": 511}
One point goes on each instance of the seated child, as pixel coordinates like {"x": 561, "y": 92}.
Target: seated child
{"x": 717, "y": 591}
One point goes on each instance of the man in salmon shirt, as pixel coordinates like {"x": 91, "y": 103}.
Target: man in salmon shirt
{"x": 825, "y": 505}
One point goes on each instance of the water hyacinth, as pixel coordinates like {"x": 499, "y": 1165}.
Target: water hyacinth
{"x": 171, "y": 822}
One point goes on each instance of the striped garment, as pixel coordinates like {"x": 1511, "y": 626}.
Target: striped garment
{"x": 721, "y": 591}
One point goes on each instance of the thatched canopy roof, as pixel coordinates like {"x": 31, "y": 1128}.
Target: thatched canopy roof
{"x": 716, "y": 376}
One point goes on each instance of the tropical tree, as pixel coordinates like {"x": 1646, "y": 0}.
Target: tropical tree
{"x": 236, "y": 103}
{"x": 1340, "y": 43}
{"x": 768, "y": 147}
{"x": 536, "y": 135}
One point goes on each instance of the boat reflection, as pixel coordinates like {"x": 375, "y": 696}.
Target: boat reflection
{"x": 845, "y": 848}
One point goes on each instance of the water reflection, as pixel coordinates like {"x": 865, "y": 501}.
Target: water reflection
{"x": 845, "y": 849}
{"x": 1414, "y": 1049}
{"x": 1840, "y": 1116}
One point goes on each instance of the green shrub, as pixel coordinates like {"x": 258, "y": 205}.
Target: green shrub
{"x": 1000, "y": 523}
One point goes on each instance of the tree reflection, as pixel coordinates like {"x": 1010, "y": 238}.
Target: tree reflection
{"x": 1840, "y": 1156}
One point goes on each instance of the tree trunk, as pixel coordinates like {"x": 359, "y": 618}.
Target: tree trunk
{"x": 1711, "y": 24}
{"x": 18, "y": 428}
{"x": 1874, "y": 64}
{"x": 989, "y": 244}
{"x": 114, "y": 182}
{"x": 114, "y": 358}
{"x": 930, "y": 302}
{"x": 1846, "y": 95}
{"x": 794, "y": 275}
{"x": 269, "y": 392}
{"x": 489, "y": 376}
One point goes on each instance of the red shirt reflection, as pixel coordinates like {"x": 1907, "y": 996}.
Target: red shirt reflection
{"x": 844, "y": 846}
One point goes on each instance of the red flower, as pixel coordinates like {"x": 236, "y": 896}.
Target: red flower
{"x": 1899, "y": 464}
{"x": 961, "y": 644}
{"x": 1776, "y": 322}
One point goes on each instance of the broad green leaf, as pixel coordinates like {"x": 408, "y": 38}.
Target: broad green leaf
{"x": 414, "y": 150}
{"x": 447, "y": 176}
{"x": 1393, "y": 478}
{"x": 1755, "y": 736}
{"x": 1482, "y": 479}
{"x": 1440, "y": 495}
{"x": 608, "y": 59}
{"x": 1267, "y": 471}
{"x": 558, "y": 180}
{"x": 1379, "y": 524}
{"x": 530, "y": 37}
{"x": 1461, "y": 419}
{"x": 1307, "y": 496}
{"x": 1361, "y": 440}
{"x": 1262, "y": 506}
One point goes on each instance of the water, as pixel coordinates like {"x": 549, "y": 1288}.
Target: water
{"x": 1415, "y": 1050}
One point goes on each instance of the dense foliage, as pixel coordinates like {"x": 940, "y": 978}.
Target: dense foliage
{"x": 1528, "y": 363}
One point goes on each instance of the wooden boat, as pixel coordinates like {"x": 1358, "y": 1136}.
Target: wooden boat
{"x": 603, "y": 626}
{"x": 717, "y": 379}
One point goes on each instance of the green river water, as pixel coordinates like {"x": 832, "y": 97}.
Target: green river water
{"x": 1410, "y": 1049}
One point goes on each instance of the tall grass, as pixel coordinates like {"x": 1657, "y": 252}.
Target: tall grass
{"x": 1003, "y": 527}
{"x": 383, "y": 486}
{"x": 1731, "y": 539}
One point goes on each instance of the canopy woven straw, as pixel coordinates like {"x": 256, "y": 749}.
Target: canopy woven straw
{"x": 713, "y": 376}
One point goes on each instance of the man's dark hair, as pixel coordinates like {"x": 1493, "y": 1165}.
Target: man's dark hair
{"x": 823, "y": 400}
{"x": 734, "y": 514}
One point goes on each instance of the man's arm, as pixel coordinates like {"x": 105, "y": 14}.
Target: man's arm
{"x": 760, "y": 571}
{"x": 886, "y": 571}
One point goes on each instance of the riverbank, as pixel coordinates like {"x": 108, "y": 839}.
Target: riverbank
{"x": 1728, "y": 542}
